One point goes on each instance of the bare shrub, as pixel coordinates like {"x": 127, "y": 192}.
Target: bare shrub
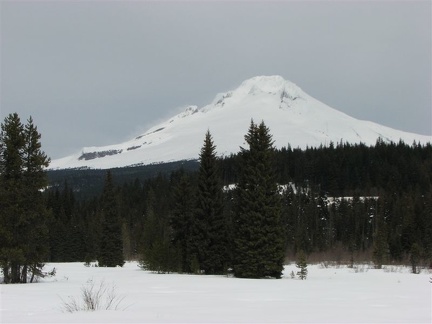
{"x": 393, "y": 268}
{"x": 36, "y": 274}
{"x": 329, "y": 264}
{"x": 94, "y": 296}
{"x": 339, "y": 255}
{"x": 292, "y": 274}
{"x": 360, "y": 268}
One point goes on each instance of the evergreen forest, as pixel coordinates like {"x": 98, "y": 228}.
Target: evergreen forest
{"x": 247, "y": 213}
{"x": 344, "y": 203}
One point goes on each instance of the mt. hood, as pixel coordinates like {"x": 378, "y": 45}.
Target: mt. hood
{"x": 292, "y": 116}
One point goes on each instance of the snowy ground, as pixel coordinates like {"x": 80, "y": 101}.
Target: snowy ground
{"x": 329, "y": 295}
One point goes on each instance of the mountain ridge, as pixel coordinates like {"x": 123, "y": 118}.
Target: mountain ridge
{"x": 293, "y": 116}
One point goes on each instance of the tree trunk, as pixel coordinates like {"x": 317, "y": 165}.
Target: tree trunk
{"x": 24, "y": 274}
{"x": 6, "y": 278}
{"x": 15, "y": 273}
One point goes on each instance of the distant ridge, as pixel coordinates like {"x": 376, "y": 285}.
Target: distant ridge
{"x": 293, "y": 117}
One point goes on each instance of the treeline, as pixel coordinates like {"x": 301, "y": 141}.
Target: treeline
{"x": 342, "y": 203}
{"x": 346, "y": 169}
{"x": 184, "y": 223}
{"x": 246, "y": 213}
{"x": 89, "y": 183}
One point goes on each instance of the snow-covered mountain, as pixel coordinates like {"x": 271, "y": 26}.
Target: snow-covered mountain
{"x": 293, "y": 117}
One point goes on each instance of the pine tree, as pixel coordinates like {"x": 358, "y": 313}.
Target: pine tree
{"x": 12, "y": 142}
{"x": 111, "y": 245}
{"x": 23, "y": 214}
{"x": 181, "y": 222}
{"x": 258, "y": 238}
{"x": 302, "y": 265}
{"x": 380, "y": 244}
{"x": 157, "y": 252}
{"x": 35, "y": 179}
{"x": 57, "y": 227}
{"x": 210, "y": 227}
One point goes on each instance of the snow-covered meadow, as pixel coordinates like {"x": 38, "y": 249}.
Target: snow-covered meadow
{"x": 329, "y": 295}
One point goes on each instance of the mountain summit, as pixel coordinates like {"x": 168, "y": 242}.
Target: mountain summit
{"x": 293, "y": 117}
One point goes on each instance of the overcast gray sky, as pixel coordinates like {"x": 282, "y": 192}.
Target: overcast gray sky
{"x": 94, "y": 73}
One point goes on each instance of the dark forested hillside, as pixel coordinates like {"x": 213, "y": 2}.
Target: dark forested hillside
{"x": 346, "y": 169}
{"x": 87, "y": 183}
{"x": 344, "y": 203}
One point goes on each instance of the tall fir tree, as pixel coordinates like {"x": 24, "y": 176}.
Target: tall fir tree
{"x": 157, "y": 252}
{"x": 380, "y": 239}
{"x": 302, "y": 265}
{"x": 12, "y": 142}
{"x": 35, "y": 179}
{"x": 211, "y": 235}
{"x": 23, "y": 213}
{"x": 181, "y": 219}
{"x": 259, "y": 242}
{"x": 111, "y": 245}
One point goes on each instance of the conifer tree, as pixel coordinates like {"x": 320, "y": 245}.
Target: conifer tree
{"x": 181, "y": 219}
{"x": 210, "y": 227}
{"x": 157, "y": 252}
{"x": 258, "y": 238}
{"x": 35, "y": 179}
{"x": 57, "y": 227}
{"x": 111, "y": 245}
{"x": 302, "y": 265}
{"x": 23, "y": 214}
{"x": 380, "y": 243}
{"x": 12, "y": 142}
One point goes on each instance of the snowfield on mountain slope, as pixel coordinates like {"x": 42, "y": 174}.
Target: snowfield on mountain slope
{"x": 329, "y": 295}
{"x": 293, "y": 117}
